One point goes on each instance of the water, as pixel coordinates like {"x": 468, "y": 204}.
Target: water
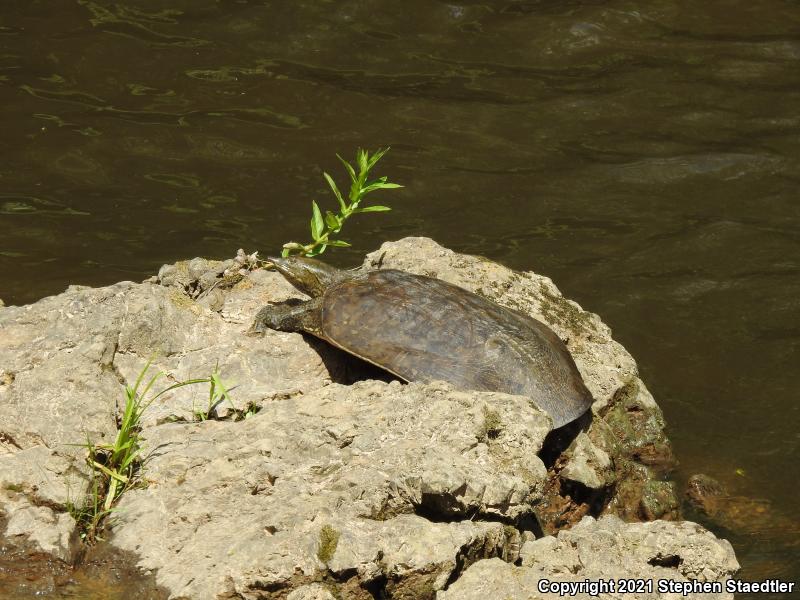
{"x": 644, "y": 155}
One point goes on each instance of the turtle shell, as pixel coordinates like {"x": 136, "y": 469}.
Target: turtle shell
{"x": 424, "y": 329}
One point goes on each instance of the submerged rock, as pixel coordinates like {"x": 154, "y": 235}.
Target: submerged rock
{"x": 330, "y": 488}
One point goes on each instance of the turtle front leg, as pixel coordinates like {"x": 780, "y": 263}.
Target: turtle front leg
{"x": 289, "y": 317}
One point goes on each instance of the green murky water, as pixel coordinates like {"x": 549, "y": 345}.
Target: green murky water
{"x": 646, "y": 155}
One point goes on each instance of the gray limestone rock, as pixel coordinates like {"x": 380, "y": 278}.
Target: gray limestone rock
{"x": 587, "y": 464}
{"x": 64, "y": 362}
{"x": 51, "y": 531}
{"x": 36, "y": 484}
{"x": 607, "y": 550}
{"x": 312, "y": 591}
{"x": 359, "y": 462}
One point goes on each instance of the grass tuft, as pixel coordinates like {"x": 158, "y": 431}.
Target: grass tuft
{"x": 115, "y": 466}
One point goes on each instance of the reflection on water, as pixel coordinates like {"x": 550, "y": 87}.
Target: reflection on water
{"x": 644, "y": 155}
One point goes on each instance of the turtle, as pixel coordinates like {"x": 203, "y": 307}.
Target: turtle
{"x": 768, "y": 537}
{"x": 423, "y": 329}
{"x": 754, "y": 517}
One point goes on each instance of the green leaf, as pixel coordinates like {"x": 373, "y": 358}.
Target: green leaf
{"x": 332, "y": 221}
{"x": 376, "y": 157}
{"x": 362, "y": 157}
{"x": 349, "y": 168}
{"x": 338, "y": 243}
{"x": 373, "y": 209}
{"x": 317, "y": 224}
{"x": 379, "y": 186}
{"x": 336, "y": 191}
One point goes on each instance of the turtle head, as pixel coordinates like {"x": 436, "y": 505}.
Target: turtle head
{"x": 310, "y": 276}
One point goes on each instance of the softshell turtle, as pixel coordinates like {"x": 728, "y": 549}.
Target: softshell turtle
{"x": 767, "y": 538}
{"x": 424, "y": 329}
{"x": 754, "y": 517}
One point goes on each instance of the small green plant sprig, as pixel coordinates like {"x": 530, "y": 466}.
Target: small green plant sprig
{"x": 124, "y": 453}
{"x": 217, "y": 393}
{"x": 323, "y": 229}
{"x": 115, "y": 466}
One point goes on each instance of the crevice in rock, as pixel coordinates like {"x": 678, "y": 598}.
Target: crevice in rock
{"x": 36, "y": 500}
{"x": 530, "y": 523}
{"x": 595, "y": 500}
{"x": 345, "y": 368}
{"x": 271, "y": 586}
{"x": 344, "y": 575}
{"x": 377, "y": 587}
{"x": 470, "y": 553}
{"x": 112, "y": 366}
{"x": 458, "y": 569}
{"x": 558, "y": 440}
{"x": 670, "y": 561}
{"x": 7, "y": 438}
{"x": 564, "y": 503}
{"x": 440, "y": 508}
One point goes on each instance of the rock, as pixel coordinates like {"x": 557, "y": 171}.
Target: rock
{"x": 356, "y": 460}
{"x": 63, "y": 363}
{"x": 313, "y": 591}
{"x": 326, "y": 489}
{"x": 587, "y": 464}
{"x": 44, "y": 476}
{"x": 47, "y": 529}
{"x": 607, "y": 549}
{"x": 36, "y": 486}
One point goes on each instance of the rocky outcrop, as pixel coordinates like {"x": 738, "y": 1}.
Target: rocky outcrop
{"x": 639, "y": 555}
{"x": 339, "y": 483}
{"x": 334, "y": 486}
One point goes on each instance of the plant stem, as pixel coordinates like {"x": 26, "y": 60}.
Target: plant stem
{"x": 323, "y": 228}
